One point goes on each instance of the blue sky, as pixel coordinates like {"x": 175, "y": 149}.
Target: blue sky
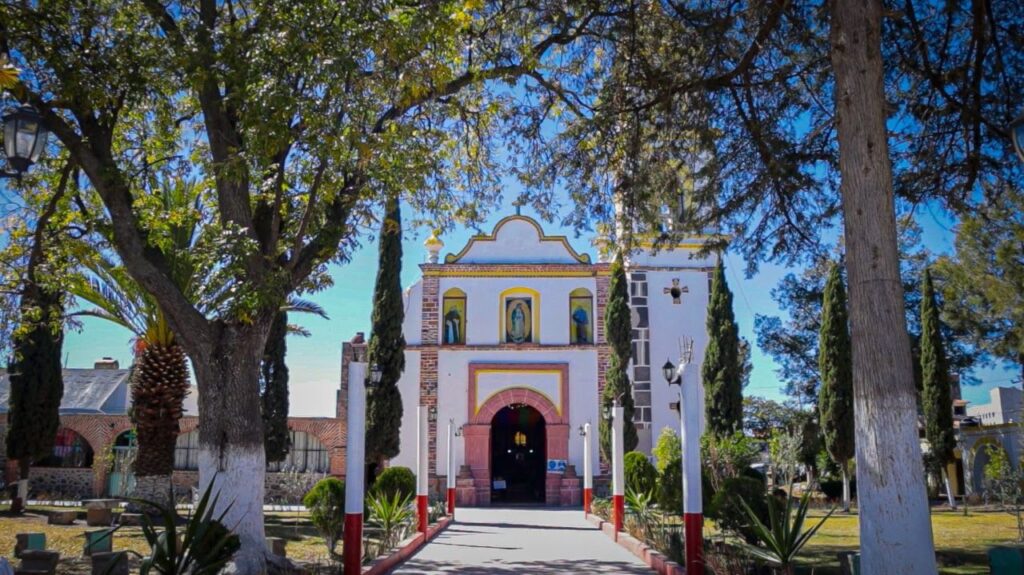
{"x": 314, "y": 362}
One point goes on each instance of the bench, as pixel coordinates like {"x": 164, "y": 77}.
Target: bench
{"x": 29, "y": 542}
{"x": 38, "y": 563}
{"x": 277, "y": 546}
{"x": 110, "y": 563}
{"x": 99, "y": 517}
{"x": 62, "y": 517}
{"x": 132, "y": 519}
{"x": 98, "y": 541}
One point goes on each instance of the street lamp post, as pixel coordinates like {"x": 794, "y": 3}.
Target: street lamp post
{"x": 24, "y": 139}
{"x": 451, "y": 470}
{"x": 689, "y": 426}
{"x": 422, "y": 467}
{"x": 618, "y": 471}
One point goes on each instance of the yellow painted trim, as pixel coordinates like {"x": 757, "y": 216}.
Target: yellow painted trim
{"x": 493, "y": 236}
{"x": 578, "y": 293}
{"x": 476, "y": 382}
{"x": 453, "y": 292}
{"x": 534, "y": 321}
{"x": 513, "y": 273}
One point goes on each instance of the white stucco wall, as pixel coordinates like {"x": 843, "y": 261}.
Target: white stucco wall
{"x": 485, "y": 306}
{"x": 413, "y": 299}
{"x": 517, "y": 240}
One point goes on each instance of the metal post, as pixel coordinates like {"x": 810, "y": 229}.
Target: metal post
{"x": 352, "y": 550}
{"x": 422, "y": 455}
{"x": 693, "y": 514}
{"x": 588, "y": 471}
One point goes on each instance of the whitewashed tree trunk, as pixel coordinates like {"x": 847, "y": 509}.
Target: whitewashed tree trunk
{"x": 895, "y": 523}
{"x": 231, "y": 452}
{"x": 846, "y": 486}
{"x": 950, "y": 498}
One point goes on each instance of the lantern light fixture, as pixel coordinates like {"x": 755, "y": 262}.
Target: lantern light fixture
{"x": 24, "y": 139}
{"x": 375, "y": 375}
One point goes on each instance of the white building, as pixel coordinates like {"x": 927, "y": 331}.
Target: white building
{"x": 505, "y": 339}
{"x": 1004, "y": 406}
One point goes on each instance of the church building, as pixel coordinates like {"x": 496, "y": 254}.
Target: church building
{"x": 506, "y": 340}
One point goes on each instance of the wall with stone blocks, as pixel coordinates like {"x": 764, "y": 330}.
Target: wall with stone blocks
{"x": 60, "y": 483}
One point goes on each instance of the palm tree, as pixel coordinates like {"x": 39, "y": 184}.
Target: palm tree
{"x": 160, "y": 372}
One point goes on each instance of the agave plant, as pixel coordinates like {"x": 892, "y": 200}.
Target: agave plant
{"x": 640, "y": 509}
{"x": 783, "y": 538}
{"x": 391, "y": 517}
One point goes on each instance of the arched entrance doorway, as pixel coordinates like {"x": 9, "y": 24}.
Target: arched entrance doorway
{"x": 518, "y": 455}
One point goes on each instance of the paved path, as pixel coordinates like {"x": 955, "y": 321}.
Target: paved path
{"x": 521, "y": 541}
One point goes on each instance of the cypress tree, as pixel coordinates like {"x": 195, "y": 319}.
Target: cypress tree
{"x": 937, "y": 404}
{"x": 387, "y": 345}
{"x": 274, "y": 391}
{"x": 618, "y": 327}
{"x": 37, "y": 384}
{"x": 722, "y": 372}
{"x": 835, "y": 364}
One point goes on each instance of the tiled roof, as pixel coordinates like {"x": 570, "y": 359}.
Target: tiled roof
{"x": 85, "y": 391}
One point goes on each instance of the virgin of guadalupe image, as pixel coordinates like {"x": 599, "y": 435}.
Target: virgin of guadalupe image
{"x": 452, "y": 326}
{"x": 517, "y": 324}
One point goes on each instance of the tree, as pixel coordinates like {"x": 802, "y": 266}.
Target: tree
{"x": 294, "y": 118}
{"x": 274, "y": 391}
{"x": 936, "y": 402}
{"x": 721, "y": 370}
{"x": 618, "y": 329}
{"x": 885, "y": 398}
{"x": 761, "y": 416}
{"x": 34, "y": 367}
{"x": 983, "y": 284}
{"x": 668, "y": 448}
{"x": 835, "y": 363}
{"x": 387, "y": 345}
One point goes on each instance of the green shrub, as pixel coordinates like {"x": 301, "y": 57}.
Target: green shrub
{"x": 602, "y": 507}
{"x": 400, "y": 480}
{"x": 667, "y": 450}
{"x": 833, "y": 488}
{"x": 326, "y": 504}
{"x": 670, "y": 487}
{"x": 727, "y": 510}
{"x": 641, "y": 476}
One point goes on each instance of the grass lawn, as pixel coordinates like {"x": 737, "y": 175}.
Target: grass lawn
{"x": 961, "y": 543}
{"x": 303, "y": 542}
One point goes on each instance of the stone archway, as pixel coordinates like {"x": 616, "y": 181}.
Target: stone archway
{"x": 477, "y": 436}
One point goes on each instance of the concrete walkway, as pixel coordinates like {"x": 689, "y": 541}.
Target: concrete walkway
{"x": 521, "y": 541}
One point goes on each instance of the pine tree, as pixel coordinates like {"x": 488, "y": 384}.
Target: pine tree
{"x": 36, "y": 381}
{"x": 721, "y": 372}
{"x": 935, "y": 396}
{"x": 387, "y": 344}
{"x": 274, "y": 391}
{"x": 618, "y": 328}
{"x": 835, "y": 366}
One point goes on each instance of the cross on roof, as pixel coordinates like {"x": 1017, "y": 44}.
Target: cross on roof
{"x": 676, "y": 291}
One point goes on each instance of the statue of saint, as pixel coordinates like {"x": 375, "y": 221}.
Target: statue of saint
{"x": 581, "y": 320}
{"x": 453, "y": 327}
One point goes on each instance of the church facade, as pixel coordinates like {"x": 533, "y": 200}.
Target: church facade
{"x": 505, "y": 342}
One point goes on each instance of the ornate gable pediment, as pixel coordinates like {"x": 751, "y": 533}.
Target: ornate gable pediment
{"x": 517, "y": 239}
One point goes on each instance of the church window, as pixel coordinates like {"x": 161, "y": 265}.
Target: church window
{"x": 453, "y": 316}
{"x": 581, "y": 316}
{"x": 306, "y": 454}
{"x": 520, "y": 312}
{"x": 186, "y": 451}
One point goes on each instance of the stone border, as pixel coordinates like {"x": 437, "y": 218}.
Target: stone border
{"x": 654, "y": 559}
{"x": 405, "y": 549}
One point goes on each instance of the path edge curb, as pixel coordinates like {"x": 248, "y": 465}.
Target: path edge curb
{"x": 653, "y": 558}
{"x": 406, "y": 549}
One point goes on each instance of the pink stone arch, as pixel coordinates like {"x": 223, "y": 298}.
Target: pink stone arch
{"x": 477, "y": 431}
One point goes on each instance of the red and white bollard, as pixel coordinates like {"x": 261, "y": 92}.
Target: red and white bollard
{"x": 618, "y": 471}
{"x": 588, "y": 471}
{"x": 693, "y": 513}
{"x": 451, "y": 472}
{"x": 422, "y": 466}
{"x": 352, "y": 550}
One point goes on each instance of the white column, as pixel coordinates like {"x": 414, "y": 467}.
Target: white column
{"x": 354, "y": 468}
{"x": 690, "y": 439}
{"x": 588, "y": 471}
{"x": 422, "y": 466}
{"x": 618, "y": 471}
{"x": 451, "y": 471}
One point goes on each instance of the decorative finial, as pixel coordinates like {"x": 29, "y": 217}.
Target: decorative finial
{"x": 434, "y": 246}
